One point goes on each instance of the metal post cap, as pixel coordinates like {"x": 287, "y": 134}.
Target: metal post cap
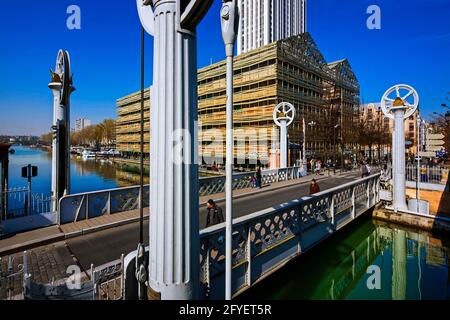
{"x": 284, "y": 111}
{"x": 393, "y": 99}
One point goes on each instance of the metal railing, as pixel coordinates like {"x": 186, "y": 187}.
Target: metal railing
{"x": 12, "y": 272}
{"x": 108, "y": 281}
{"x": 20, "y": 202}
{"x": 213, "y": 185}
{"x": 264, "y": 241}
{"x": 428, "y": 174}
{"x": 84, "y": 206}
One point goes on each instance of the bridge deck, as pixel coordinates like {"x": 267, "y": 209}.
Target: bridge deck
{"x": 108, "y": 244}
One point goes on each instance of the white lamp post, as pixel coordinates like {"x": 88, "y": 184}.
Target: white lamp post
{"x": 61, "y": 86}
{"x": 174, "y": 225}
{"x": 283, "y": 116}
{"x": 230, "y": 22}
{"x": 399, "y": 106}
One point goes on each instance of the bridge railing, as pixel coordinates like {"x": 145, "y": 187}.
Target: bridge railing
{"x": 84, "y": 206}
{"x": 21, "y": 202}
{"x": 428, "y": 174}
{"x": 264, "y": 241}
{"x": 213, "y": 185}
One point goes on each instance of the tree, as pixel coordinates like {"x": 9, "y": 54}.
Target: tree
{"x": 102, "y": 134}
{"x": 46, "y": 138}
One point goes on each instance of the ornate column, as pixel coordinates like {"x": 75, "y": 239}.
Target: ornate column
{"x": 61, "y": 86}
{"x": 399, "y": 109}
{"x": 283, "y": 116}
{"x": 174, "y": 225}
{"x": 55, "y": 86}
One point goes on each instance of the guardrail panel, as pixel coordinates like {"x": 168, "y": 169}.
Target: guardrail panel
{"x": 280, "y": 233}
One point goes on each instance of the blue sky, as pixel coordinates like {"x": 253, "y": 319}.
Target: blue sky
{"x": 412, "y": 47}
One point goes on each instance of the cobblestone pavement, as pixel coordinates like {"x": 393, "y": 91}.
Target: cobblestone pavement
{"x": 46, "y": 264}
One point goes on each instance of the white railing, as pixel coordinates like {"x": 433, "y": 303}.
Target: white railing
{"x": 213, "y": 185}
{"x": 19, "y": 202}
{"x": 428, "y": 174}
{"x": 90, "y": 205}
{"x": 264, "y": 241}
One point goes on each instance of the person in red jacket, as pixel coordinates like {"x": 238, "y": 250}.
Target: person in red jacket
{"x": 314, "y": 187}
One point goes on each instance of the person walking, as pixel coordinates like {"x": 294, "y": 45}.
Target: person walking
{"x": 369, "y": 170}
{"x": 258, "y": 178}
{"x": 314, "y": 187}
{"x": 363, "y": 170}
{"x": 214, "y": 215}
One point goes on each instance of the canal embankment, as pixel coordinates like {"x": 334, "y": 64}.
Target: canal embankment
{"x": 429, "y": 223}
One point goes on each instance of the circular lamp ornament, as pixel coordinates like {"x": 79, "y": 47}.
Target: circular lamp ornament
{"x": 400, "y": 96}
{"x": 62, "y": 69}
{"x": 284, "y": 111}
{"x": 146, "y": 16}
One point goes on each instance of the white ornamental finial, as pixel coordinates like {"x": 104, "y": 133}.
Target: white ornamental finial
{"x": 284, "y": 111}
{"x": 400, "y": 96}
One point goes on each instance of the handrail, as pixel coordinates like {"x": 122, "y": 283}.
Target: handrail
{"x": 286, "y": 205}
{"x": 265, "y": 240}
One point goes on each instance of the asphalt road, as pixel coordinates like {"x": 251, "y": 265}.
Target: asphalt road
{"x": 105, "y": 246}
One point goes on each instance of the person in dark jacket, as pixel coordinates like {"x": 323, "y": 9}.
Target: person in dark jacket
{"x": 258, "y": 178}
{"x": 314, "y": 187}
{"x": 214, "y": 215}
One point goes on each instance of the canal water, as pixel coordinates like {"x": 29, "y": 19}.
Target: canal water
{"x": 367, "y": 261}
{"x": 86, "y": 175}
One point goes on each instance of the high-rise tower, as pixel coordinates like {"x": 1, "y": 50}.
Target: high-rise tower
{"x": 266, "y": 21}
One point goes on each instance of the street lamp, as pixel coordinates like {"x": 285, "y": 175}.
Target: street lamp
{"x": 310, "y": 124}
{"x": 230, "y": 22}
{"x": 334, "y": 153}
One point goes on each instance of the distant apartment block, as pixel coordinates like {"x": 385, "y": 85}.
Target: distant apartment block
{"x": 374, "y": 119}
{"x": 265, "y": 21}
{"x": 82, "y": 123}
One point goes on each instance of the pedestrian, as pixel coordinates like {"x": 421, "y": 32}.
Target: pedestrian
{"x": 314, "y": 187}
{"x": 369, "y": 170}
{"x": 423, "y": 173}
{"x": 318, "y": 167}
{"x": 363, "y": 170}
{"x": 258, "y": 178}
{"x": 214, "y": 215}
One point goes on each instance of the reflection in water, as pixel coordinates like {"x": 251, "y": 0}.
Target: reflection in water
{"x": 399, "y": 265}
{"x": 86, "y": 175}
{"x": 414, "y": 265}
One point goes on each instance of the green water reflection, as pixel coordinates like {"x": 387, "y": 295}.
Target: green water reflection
{"x": 413, "y": 265}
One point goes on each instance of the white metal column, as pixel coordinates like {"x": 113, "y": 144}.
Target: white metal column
{"x": 58, "y": 114}
{"x": 174, "y": 225}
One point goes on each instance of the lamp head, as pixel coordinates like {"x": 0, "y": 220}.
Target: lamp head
{"x": 229, "y": 18}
